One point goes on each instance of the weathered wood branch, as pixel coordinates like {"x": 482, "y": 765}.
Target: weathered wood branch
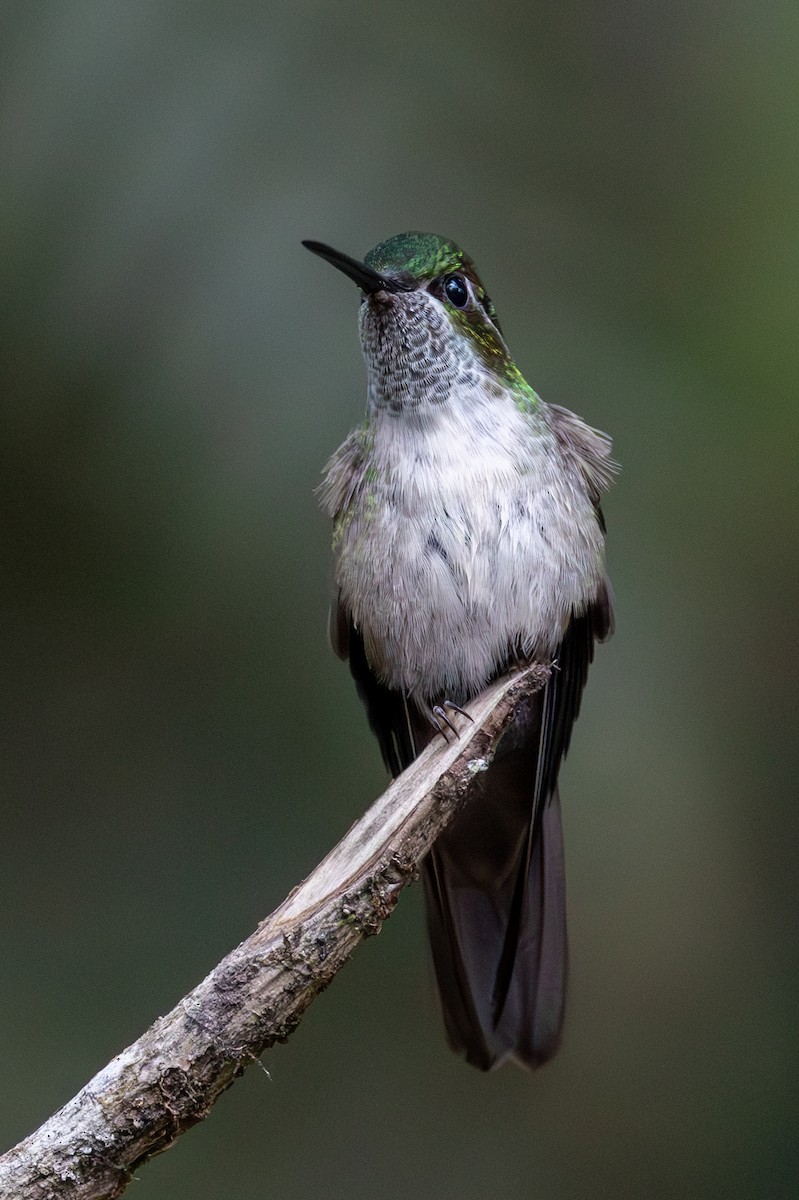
{"x": 170, "y": 1078}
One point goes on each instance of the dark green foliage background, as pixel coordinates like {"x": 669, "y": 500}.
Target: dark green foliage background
{"x": 179, "y": 746}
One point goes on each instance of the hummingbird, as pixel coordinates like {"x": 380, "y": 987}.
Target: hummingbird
{"x": 469, "y": 540}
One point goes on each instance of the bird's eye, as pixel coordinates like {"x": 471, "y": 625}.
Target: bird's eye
{"x": 457, "y": 291}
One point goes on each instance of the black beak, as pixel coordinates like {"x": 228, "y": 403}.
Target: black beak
{"x": 367, "y": 280}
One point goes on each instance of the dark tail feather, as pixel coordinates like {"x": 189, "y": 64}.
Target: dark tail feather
{"x": 532, "y": 1016}
{"x": 462, "y": 983}
{"x": 476, "y": 928}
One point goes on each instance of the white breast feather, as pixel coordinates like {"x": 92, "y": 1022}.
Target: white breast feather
{"x": 471, "y": 538}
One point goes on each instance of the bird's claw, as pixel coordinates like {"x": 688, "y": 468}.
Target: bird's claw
{"x": 441, "y": 721}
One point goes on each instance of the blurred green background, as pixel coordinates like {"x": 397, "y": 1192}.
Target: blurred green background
{"x": 179, "y": 745}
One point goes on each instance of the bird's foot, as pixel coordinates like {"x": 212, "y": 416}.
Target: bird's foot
{"x": 441, "y": 722}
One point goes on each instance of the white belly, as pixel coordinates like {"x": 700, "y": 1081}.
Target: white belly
{"x": 466, "y": 549}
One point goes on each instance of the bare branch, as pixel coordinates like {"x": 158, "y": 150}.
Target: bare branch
{"x": 170, "y": 1078}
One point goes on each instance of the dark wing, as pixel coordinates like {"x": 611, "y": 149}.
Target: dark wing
{"x": 535, "y": 946}
{"x": 400, "y": 731}
{"x": 565, "y": 688}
